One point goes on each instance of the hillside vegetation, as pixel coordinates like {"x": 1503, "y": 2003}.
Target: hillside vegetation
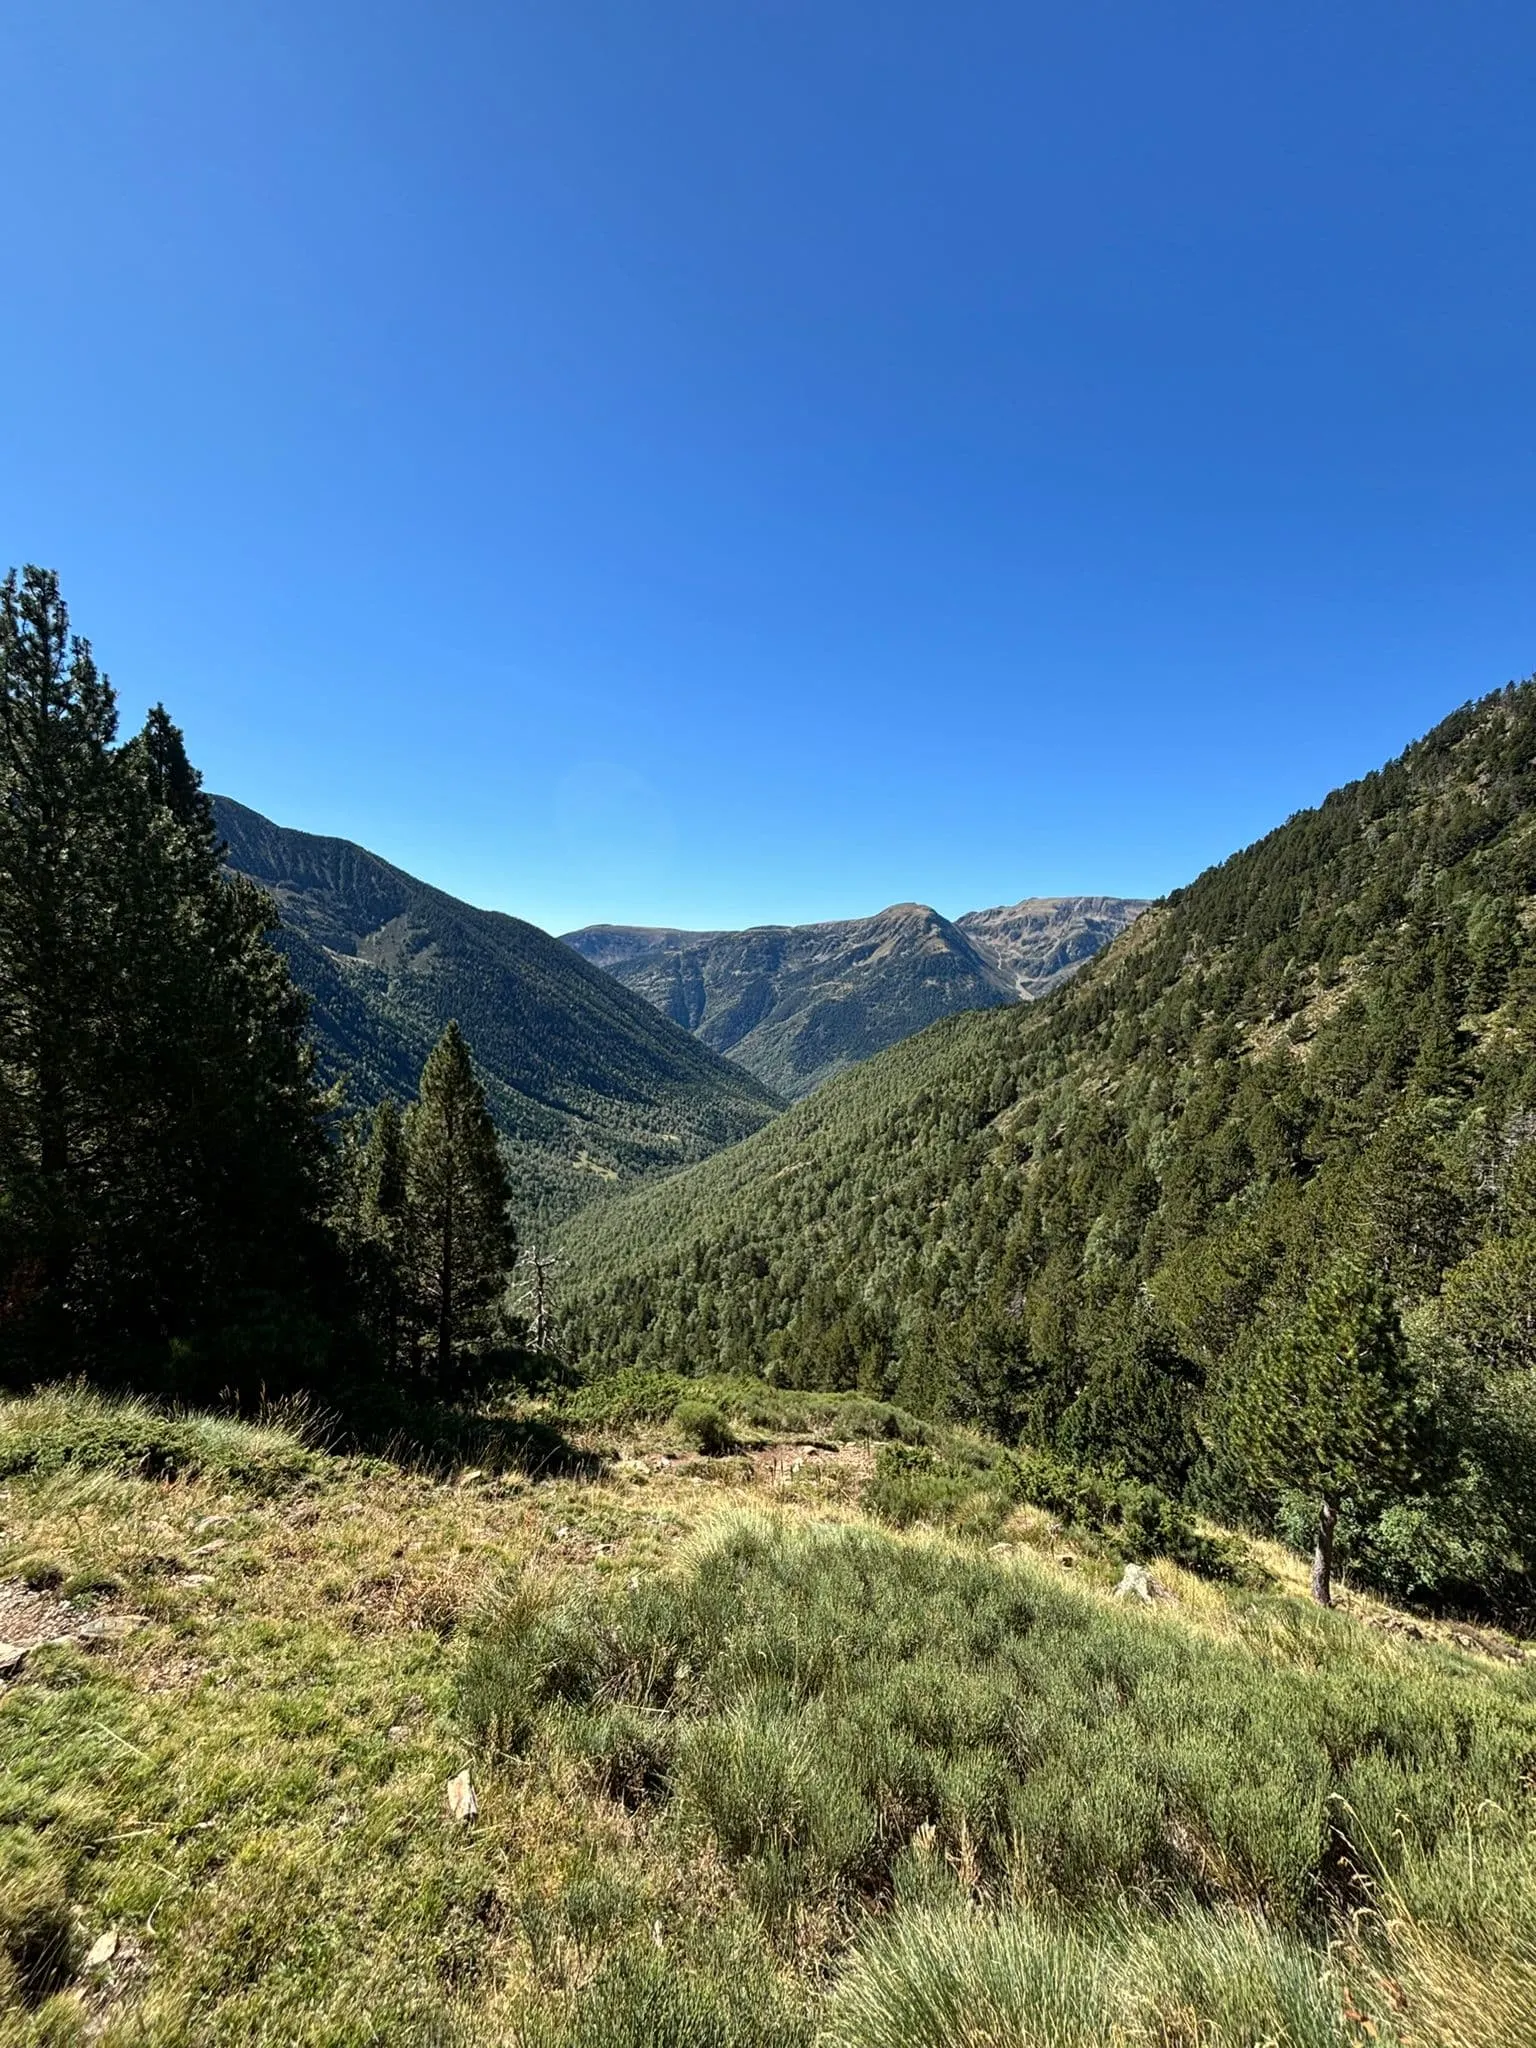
{"x": 750, "y": 1765}
{"x": 797, "y": 1004}
{"x": 585, "y": 1082}
{"x": 1083, "y": 1219}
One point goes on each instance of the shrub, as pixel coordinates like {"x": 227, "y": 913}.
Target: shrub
{"x": 707, "y": 1426}
{"x": 932, "y": 1979}
{"x": 913, "y": 1484}
{"x": 829, "y": 1704}
{"x": 625, "y": 1398}
{"x": 1136, "y": 1521}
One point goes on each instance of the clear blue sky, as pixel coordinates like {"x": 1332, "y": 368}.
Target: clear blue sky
{"x": 718, "y": 461}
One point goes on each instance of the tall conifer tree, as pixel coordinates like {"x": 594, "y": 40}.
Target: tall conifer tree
{"x": 61, "y": 950}
{"x": 1329, "y": 1410}
{"x": 461, "y": 1239}
{"x": 161, "y": 1138}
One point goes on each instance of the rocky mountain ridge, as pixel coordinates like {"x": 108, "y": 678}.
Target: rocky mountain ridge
{"x": 796, "y": 1004}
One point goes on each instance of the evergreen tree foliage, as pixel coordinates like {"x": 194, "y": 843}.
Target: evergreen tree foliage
{"x": 371, "y": 1220}
{"x": 460, "y": 1241}
{"x": 161, "y": 1141}
{"x": 1330, "y": 1410}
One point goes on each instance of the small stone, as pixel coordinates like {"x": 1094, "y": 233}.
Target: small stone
{"x": 109, "y": 1628}
{"x": 1134, "y": 1584}
{"x": 399, "y": 1733}
{"x": 12, "y": 1657}
{"x": 102, "y": 1950}
{"x": 462, "y": 1803}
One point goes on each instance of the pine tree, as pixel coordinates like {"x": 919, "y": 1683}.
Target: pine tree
{"x": 61, "y": 951}
{"x": 370, "y": 1218}
{"x": 461, "y": 1241}
{"x": 1329, "y": 1410}
{"x": 222, "y": 1185}
{"x": 161, "y": 1139}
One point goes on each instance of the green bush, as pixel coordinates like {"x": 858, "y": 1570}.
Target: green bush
{"x": 829, "y": 1704}
{"x": 915, "y": 1484}
{"x": 622, "y": 1399}
{"x": 912, "y": 1484}
{"x": 930, "y": 1980}
{"x": 707, "y": 1426}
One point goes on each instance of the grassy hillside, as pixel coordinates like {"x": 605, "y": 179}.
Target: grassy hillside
{"x": 753, "y": 1767}
{"x": 587, "y": 1084}
{"x": 1076, "y": 1217}
{"x": 797, "y": 1004}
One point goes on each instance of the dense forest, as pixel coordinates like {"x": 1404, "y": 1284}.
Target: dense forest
{"x": 1297, "y": 1096}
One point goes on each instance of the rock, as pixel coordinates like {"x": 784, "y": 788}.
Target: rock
{"x": 109, "y": 1628}
{"x": 1134, "y": 1584}
{"x": 102, "y": 1950}
{"x": 462, "y": 1803}
{"x": 12, "y": 1657}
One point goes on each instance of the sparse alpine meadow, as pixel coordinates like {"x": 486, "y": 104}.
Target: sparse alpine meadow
{"x": 787, "y": 1719}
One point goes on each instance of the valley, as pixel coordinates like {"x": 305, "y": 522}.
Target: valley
{"x": 587, "y": 1085}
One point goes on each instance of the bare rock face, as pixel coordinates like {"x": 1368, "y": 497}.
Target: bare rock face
{"x": 1041, "y": 941}
{"x": 795, "y": 1004}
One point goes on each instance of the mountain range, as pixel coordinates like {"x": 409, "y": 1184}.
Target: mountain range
{"x": 1069, "y": 1218}
{"x": 796, "y": 1004}
{"x": 622, "y": 1053}
{"x": 587, "y": 1083}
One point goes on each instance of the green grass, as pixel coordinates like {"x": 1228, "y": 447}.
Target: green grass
{"x": 775, "y": 1779}
{"x": 934, "y": 1979}
{"x": 846, "y": 1717}
{"x": 75, "y": 1427}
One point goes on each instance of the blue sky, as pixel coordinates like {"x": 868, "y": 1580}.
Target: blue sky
{"x": 722, "y": 461}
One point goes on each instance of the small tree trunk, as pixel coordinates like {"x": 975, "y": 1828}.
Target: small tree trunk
{"x": 445, "y": 1287}
{"x": 1322, "y": 1556}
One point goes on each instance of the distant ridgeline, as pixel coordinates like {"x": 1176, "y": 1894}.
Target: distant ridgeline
{"x": 1081, "y": 1218}
{"x": 585, "y": 1081}
{"x": 796, "y": 1004}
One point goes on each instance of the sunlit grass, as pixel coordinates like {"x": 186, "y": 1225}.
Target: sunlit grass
{"x": 752, "y": 1780}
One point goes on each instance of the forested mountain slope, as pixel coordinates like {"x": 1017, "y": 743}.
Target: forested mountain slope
{"x": 1077, "y": 1216}
{"x": 585, "y": 1081}
{"x": 797, "y": 1003}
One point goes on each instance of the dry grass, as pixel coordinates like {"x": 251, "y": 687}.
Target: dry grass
{"x": 248, "y": 1789}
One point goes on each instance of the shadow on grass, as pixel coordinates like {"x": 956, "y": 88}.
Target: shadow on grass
{"x": 269, "y": 1445}
{"x": 441, "y": 1440}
